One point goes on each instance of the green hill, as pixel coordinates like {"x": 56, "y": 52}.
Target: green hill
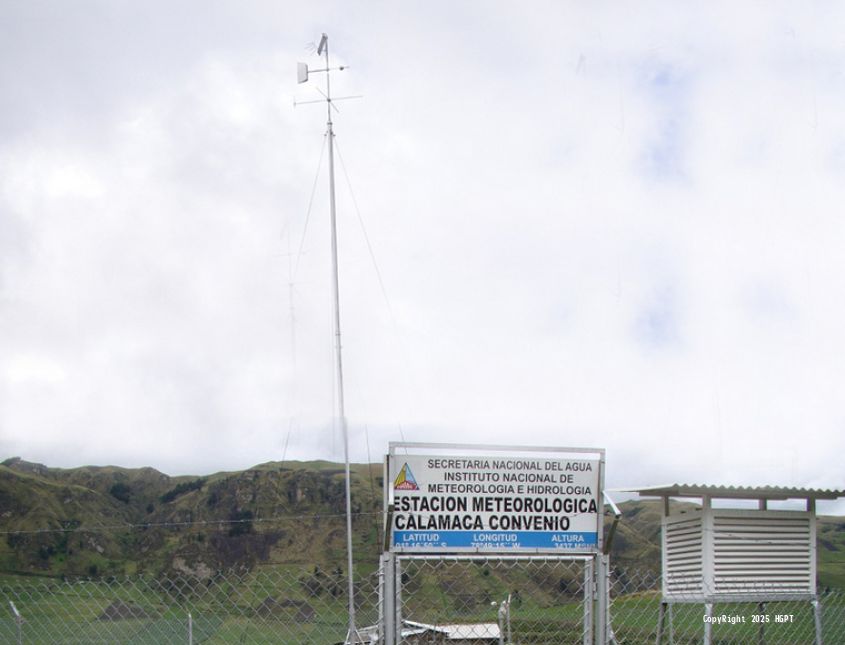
{"x": 113, "y": 521}
{"x": 102, "y": 521}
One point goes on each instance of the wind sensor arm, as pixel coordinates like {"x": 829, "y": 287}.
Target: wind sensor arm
{"x": 303, "y": 72}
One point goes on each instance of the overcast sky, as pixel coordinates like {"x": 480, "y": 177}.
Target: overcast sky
{"x": 596, "y": 224}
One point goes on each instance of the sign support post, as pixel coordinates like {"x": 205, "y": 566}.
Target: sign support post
{"x": 602, "y": 594}
{"x": 387, "y": 606}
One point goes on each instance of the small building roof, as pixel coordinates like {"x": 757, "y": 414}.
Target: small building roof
{"x": 736, "y": 492}
{"x": 451, "y": 632}
{"x": 464, "y": 631}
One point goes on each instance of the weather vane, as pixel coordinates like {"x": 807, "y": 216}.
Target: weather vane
{"x": 302, "y": 73}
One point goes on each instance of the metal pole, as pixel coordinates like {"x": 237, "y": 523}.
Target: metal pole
{"x": 500, "y": 617}
{"x": 817, "y": 618}
{"x": 670, "y": 610}
{"x": 602, "y": 572}
{"x": 761, "y": 631}
{"x": 323, "y": 49}
{"x": 609, "y": 637}
{"x": 18, "y": 621}
{"x": 508, "y": 616}
{"x": 708, "y": 624}
{"x": 397, "y": 602}
{"x": 190, "y": 629}
{"x": 382, "y": 583}
{"x": 601, "y": 599}
{"x": 661, "y": 621}
{"x": 353, "y": 633}
{"x": 588, "y": 602}
{"x": 388, "y": 599}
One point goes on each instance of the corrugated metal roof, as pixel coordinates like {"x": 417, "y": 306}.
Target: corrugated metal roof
{"x": 462, "y": 631}
{"x": 737, "y": 492}
{"x": 452, "y": 632}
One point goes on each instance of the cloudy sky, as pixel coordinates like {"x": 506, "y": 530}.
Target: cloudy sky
{"x": 602, "y": 224}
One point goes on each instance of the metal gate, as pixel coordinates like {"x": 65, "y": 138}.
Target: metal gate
{"x": 478, "y": 599}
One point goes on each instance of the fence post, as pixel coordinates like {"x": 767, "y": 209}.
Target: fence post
{"x": 817, "y": 618}
{"x": 500, "y": 616}
{"x": 661, "y": 620}
{"x": 609, "y": 636}
{"x": 670, "y": 610}
{"x": 18, "y": 621}
{"x": 190, "y": 629}
{"x": 397, "y": 598}
{"x": 589, "y": 595}
{"x": 508, "y": 616}
{"x": 387, "y": 599}
{"x": 601, "y": 599}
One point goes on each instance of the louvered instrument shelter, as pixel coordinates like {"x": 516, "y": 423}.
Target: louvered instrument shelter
{"x": 717, "y": 555}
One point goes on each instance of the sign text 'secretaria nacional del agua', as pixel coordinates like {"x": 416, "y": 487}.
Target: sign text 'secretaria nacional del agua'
{"x": 494, "y": 503}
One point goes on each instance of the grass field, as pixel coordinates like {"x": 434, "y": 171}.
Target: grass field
{"x": 135, "y": 611}
{"x": 635, "y": 620}
{"x": 141, "y": 611}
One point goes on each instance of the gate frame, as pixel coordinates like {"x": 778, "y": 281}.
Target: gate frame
{"x": 596, "y": 562}
{"x": 390, "y": 594}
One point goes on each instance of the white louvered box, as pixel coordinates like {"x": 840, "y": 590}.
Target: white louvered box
{"x": 714, "y": 555}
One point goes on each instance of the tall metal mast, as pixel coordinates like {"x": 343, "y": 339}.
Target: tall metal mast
{"x": 302, "y": 74}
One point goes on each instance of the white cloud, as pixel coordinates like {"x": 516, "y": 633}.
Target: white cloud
{"x": 606, "y": 225}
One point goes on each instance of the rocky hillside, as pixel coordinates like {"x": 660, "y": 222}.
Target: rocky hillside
{"x": 99, "y": 521}
{"x": 113, "y": 521}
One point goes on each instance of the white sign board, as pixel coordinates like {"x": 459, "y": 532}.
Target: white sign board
{"x": 495, "y": 503}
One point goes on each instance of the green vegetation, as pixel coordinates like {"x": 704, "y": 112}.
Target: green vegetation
{"x": 111, "y": 521}
{"x": 241, "y": 522}
{"x": 143, "y": 611}
{"x": 831, "y": 553}
{"x": 120, "y": 491}
{"x": 181, "y": 489}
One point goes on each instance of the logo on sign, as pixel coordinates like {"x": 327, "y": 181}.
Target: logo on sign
{"x": 405, "y": 480}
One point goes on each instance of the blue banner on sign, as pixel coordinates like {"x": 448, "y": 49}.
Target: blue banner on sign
{"x": 494, "y": 540}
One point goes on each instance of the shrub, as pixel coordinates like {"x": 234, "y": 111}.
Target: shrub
{"x": 120, "y": 492}
{"x": 181, "y": 489}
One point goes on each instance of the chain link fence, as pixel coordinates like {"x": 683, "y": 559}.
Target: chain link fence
{"x": 293, "y": 605}
{"x": 525, "y": 601}
{"x": 636, "y": 617}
